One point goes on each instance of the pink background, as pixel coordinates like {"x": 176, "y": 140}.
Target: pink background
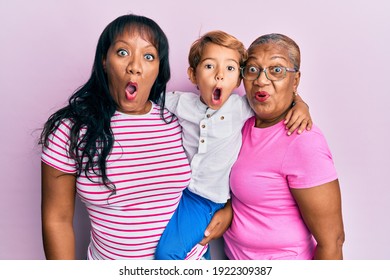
{"x": 46, "y": 52}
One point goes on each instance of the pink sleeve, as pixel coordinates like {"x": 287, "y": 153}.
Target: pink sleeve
{"x": 308, "y": 162}
{"x": 55, "y": 153}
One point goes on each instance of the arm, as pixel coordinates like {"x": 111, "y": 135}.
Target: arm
{"x": 58, "y": 202}
{"x": 298, "y": 116}
{"x": 218, "y": 224}
{"x": 320, "y": 208}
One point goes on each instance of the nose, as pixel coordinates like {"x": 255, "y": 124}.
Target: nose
{"x": 134, "y": 66}
{"x": 219, "y": 76}
{"x": 262, "y": 79}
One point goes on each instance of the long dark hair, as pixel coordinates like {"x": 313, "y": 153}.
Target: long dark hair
{"x": 92, "y": 106}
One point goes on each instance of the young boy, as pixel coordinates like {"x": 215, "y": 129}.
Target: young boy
{"x": 211, "y": 127}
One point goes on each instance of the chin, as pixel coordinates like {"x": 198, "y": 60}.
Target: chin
{"x": 217, "y": 106}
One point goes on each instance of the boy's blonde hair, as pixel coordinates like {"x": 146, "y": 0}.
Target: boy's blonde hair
{"x": 217, "y": 37}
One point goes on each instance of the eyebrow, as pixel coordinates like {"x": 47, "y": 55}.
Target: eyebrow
{"x": 276, "y": 57}
{"x": 272, "y": 58}
{"x": 124, "y": 42}
{"x": 211, "y": 58}
{"x": 119, "y": 41}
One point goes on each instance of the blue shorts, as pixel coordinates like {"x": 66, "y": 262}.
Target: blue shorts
{"x": 186, "y": 227}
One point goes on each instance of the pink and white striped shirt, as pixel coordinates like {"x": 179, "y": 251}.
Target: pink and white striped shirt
{"x": 149, "y": 169}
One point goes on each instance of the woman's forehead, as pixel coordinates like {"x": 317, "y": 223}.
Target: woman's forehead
{"x": 143, "y": 32}
{"x": 269, "y": 50}
{"x": 268, "y": 47}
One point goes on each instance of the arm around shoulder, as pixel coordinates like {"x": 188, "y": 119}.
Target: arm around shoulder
{"x": 298, "y": 117}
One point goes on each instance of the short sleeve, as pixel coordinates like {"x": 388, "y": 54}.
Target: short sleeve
{"x": 56, "y": 152}
{"x": 247, "y": 111}
{"x": 308, "y": 161}
{"x": 171, "y": 101}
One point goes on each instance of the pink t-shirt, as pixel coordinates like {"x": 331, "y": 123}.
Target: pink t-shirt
{"x": 267, "y": 223}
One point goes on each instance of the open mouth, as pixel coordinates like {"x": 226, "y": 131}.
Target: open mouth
{"x": 261, "y": 96}
{"x": 131, "y": 91}
{"x": 217, "y": 94}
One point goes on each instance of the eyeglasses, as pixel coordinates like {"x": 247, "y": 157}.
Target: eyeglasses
{"x": 273, "y": 73}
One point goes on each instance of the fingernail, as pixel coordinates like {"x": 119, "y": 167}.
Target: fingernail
{"x": 206, "y": 233}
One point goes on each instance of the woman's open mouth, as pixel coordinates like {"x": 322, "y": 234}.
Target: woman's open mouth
{"x": 131, "y": 91}
{"x": 261, "y": 96}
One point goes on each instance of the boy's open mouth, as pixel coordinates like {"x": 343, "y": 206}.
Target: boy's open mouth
{"x": 217, "y": 94}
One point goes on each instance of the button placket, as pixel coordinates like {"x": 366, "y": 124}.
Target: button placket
{"x": 203, "y": 125}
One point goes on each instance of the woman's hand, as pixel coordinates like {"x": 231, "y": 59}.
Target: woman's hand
{"x": 218, "y": 224}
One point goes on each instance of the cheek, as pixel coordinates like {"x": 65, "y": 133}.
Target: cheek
{"x": 112, "y": 81}
{"x": 153, "y": 73}
{"x": 110, "y": 71}
{"x": 247, "y": 86}
{"x": 234, "y": 81}
{"x": 152, "y": 79}
{"x": 284, "y": 97}
{"x": 204, "y": 77}
{"x": 284, "y": 87}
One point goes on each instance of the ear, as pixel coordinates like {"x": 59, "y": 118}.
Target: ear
{"x": 297, "y": 79}
{"x": 191, "y": 75}
{"x": 104, "y": 64}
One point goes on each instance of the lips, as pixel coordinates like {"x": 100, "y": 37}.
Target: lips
{"x": 261, "y": 96}
{"x": 131, "y": 91}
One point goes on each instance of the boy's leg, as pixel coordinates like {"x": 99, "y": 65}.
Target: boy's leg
{"x": 186, "y": 227}
{"x": 182, "y": 231}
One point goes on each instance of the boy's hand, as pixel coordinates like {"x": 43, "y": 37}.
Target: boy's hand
{"x": 218, "y": 224}
{"x": 298, "y": 117}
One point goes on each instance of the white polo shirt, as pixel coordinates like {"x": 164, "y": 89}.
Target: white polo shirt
{"x": 211, "y": 139}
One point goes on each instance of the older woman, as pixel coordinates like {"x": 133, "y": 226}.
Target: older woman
{"x": 285, "y": 192}
{"x": 118, "y": 148}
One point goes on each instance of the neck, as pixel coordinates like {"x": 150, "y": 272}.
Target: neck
{"x": 263, "y": 123}
{"x": 267, "y": 122}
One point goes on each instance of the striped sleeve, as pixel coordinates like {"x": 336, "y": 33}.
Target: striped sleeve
{"x": 56, "y": 152}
